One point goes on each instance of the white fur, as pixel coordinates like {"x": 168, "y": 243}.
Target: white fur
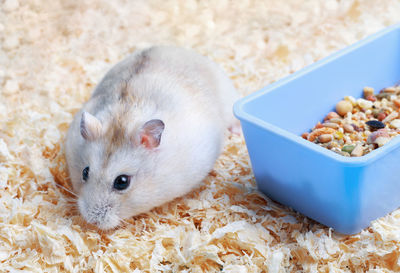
{"x": 190, "y": 94}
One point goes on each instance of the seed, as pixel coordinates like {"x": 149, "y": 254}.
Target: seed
{"x": 389, "y": 90}
{"x": 304, "y": 135}
{"x": 371, "y": 98}
{"x": 396, "y": 102}
{"x": 383, "y": 96}
{"x": 319, "y": 125}
{"x": 357, "y": 151}
{"x": 391, "y": 117}
{"x": 336, "y": 120}
{"x": 364, "y": 104}
{"x": 331, "y": 115}
{"x": 338, "y": 135}
{"x": 381, "y": 116}
{"x": 350, "y": 99}
{"x": 382, "y": 141}
{"x": 368, "y": 91}
{"x": 332, "y": 145}
{"x": 358, "y": 129}
{"x": 375, "y": 124}
{"x": 348, "y": 128}
{"x": 321, "y": 131}
{"x": 343, "y": 107}
{"x": 331, "y": 125}
{"x": 325, "y": 138}
{"x": 359, "y": 137}
{"x": 348, "y": 148}
{"x": 375, "y": 112}
{"x": 344, "y": 154}
{"x": 395, "y": 123}
{"x": 373, "y": 137}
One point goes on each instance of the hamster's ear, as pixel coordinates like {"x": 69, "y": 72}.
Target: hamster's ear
{"x": 150, "y": 133}
{"x": 90, "y": 127}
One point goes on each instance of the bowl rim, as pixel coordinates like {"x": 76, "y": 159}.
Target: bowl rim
{"x": 241, "y": 114}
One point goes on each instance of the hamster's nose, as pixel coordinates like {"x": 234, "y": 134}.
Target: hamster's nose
{"x": 98, "y": 213}
{"x": 94, "y": 214}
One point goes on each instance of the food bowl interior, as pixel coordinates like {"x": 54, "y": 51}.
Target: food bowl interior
{"x": 299, "y": 102}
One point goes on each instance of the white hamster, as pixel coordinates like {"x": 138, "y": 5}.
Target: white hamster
{"x": 150, "y": 132}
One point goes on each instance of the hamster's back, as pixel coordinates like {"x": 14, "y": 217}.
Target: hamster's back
{"x": 203, "y": 81}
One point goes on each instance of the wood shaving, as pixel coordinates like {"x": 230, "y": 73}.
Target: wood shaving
{"x": 53, "y": 53}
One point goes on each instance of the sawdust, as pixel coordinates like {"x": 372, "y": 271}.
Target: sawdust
{"x": 53, "y": 53}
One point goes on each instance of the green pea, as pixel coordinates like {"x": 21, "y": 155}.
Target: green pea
{"x": 348, "y": 148}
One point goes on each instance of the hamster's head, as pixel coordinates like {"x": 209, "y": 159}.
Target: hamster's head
{"x": 110, "y": 168}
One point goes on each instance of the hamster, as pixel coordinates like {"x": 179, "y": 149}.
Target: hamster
{"x": 151, "y": 131}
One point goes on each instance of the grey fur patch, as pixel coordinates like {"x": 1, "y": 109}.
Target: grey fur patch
{"x": 141, "y": 61}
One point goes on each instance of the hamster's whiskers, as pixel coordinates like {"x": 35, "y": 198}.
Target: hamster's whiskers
{"x": 125, "y": 222}
{"x": 74, "y": 194}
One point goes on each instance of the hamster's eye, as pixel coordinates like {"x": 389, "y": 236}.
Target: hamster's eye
{"x": 85, "y": 173}
{"x": 122, "y": 182}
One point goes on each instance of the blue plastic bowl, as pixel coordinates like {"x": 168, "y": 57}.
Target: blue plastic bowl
{"x": 345, "y": 193}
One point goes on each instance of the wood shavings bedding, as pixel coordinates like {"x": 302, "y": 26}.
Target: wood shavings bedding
{"x": 53, "y": 53}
